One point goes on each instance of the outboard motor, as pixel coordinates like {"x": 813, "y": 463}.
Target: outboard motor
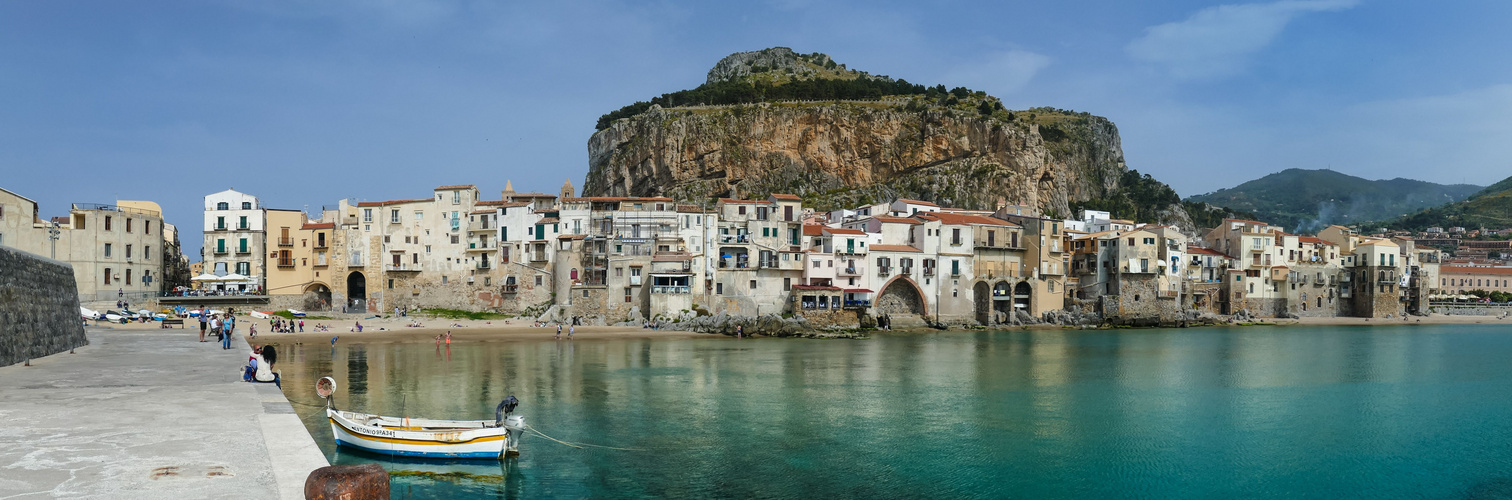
{"x": 514, "y": 425}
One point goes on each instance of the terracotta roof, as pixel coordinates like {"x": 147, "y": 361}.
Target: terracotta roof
{"x": 964, "y": 219}
{"x": 1206, "y": 251}
{"x": 817, "y": 287}
{"x": 857, "y": 290}
{"x": 514, "y": 204}
{"x": 689, "y": 208}
{"x": 458, "y": 186}
{"x": 490, "y": 203}
{"x": 894, "y": 248}
{"x": 748, "y": 202}
{"x": 813, "y": 230}
{"x": 787, "y": 197}
{"x": 319, "y": 225}
{"x": 571, "y": 237}
{"x": 484, "y": 211}
{"x": 843, "y": 230}
{"x": 391, "y": 202}
{"x": 896, "y": 220}
{"x": 1312, "y": 239}
{"x": 917, "y": 202}
{"x": 548, "y": 220}
{"x": 1500, "y": 271}
{"x": 1247, "y": 221}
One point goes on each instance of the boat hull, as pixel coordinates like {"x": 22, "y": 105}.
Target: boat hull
{"x": 470, "y": 439}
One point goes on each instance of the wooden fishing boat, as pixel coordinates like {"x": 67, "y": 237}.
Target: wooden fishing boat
{"x": 425, "y": 438}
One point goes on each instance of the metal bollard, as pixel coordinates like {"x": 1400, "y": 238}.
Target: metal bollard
{"x": 347, "y": 482}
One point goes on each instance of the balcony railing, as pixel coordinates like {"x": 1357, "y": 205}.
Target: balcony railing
{"x": 220, "y": 251}
{"x": 321, "y": 244}
{"x": 511, "y": 288}
{"x": 485, "y": 265}
{"x": 220, "y": 227}
{"x": 286, "y": 242}
{"x": 285, "y": 263}
{"x": 243, "y": 251}
{"x": 851, "y": 271}
{"x": 319, "y": 263}
{"x": 635, "y": 281}
{"x": 402, "y": 267}
{"x": 905, "y": 270}
{"x": 671, "y": 289}
{"x": 929, "y": 271}
{"x": 538, "y": 257}
{"x": 883, "y": 271}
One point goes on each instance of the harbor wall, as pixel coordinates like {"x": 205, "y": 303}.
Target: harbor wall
{"x": 39, "y": 307}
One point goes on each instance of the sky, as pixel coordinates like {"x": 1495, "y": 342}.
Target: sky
{"x": 305, "y": 103}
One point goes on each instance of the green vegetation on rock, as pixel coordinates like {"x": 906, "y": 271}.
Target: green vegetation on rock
{"x": 1490, "y": 207}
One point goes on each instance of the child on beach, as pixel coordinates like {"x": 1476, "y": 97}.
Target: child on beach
{"x": 559, "y": 331}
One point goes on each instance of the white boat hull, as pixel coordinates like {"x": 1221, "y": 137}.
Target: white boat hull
{"x": 419, "y": 437}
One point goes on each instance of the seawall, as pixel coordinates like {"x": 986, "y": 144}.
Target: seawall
{"x": 39, "y": 307}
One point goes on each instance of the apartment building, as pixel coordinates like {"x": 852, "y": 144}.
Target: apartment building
{"x": 235, "y": 242}
{"x": 117, "y": 251}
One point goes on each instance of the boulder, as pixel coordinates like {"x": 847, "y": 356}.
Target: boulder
{"x": 347, "y": 482}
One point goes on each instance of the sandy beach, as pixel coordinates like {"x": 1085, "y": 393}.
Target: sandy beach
{"x": 1433, "y": 319}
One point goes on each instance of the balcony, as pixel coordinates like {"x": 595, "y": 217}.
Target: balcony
{"x": 538, "y": 257}
{"x": 511, "y": 288}
{"x": 319, "y": 263}
{"x": 285, "y": 262}
{"x": 481, "y": 229}
{"x": 635, "y": 281}
{"x": 286, "y": 242}
{"x": 220, "y": 251}
{"x": 735, "y": 238}
{"x": 321, "y": 244}
{"x": 480, "y": 247}
{"x": 221, "y": 227}
{"x": 243, "y": 227}
{"x": 357, "y": 262}
{"x": 243, "y": 251}
{"x": 408, "y": 268}
{"x": 929, "y": 271}
{"x": 884, "y": 271}
{"x": 485, "y": 265}
{"x": 671, "y": 289}
{"x": 905, "y": 270}
{"x": 851, "y": 271}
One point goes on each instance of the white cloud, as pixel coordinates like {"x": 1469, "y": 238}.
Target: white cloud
{"x": 997, "y": 73}
{"x": 1214, "y": 41}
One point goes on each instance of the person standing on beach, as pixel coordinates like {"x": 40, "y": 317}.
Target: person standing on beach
{"x": 203, "y": 323}
{"x": 559, "y": 331}
{"x": 570, "y": 330}
{"x": 301, "y": 326}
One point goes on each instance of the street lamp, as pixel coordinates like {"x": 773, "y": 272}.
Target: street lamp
{"x": 52, "y": 234}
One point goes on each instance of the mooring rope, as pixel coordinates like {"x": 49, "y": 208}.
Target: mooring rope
{"x": 578, "y": 445}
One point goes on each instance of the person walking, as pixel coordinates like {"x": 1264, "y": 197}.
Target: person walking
{"x": 301, "y": 326}
{"x": 230, "y": 326}
{"x": 559, "y": 331}
{"x": 204, "y": 323}
{"x": 571, "y": 330}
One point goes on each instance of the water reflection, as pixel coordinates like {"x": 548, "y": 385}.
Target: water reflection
{"x": 1248, "y": 412}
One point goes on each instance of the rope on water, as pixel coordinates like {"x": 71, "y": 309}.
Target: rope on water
{"x": 578, "y": 445}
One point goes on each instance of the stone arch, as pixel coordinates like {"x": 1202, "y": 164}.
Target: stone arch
{"x": 322, "y": 295}
{"x": 981, "y": 294}
{"x": 1002, "y": 303}
{"x": 901, "y": 296}
{"x": 1023, "y": 295}
{"x": 356, "y": 290}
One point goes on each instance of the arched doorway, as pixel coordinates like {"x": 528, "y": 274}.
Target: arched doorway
{"x": 1002, "y": 301}
{"x": 900, "y": 297}
{"x": 982, "y": 295}
{"x": 318, "y": 297}
{"x": 1021, "y": 295}
{"x": 356, "y": 292}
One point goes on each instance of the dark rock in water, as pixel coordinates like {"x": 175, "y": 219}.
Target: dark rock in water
{"x": 348, "y": 482}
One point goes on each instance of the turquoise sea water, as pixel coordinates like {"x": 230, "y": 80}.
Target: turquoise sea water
{"x": 1257, "y": 412}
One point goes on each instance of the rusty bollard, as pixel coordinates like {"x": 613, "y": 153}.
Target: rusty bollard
{"x": 348, "y": 482}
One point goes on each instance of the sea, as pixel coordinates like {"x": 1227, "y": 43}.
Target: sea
{"x": 1399, "y": 411}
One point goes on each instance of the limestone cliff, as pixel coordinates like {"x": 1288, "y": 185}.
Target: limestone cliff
{"x": 957, "y": 148}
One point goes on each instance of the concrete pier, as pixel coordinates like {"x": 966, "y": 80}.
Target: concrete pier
{"x": 148, "y": 414}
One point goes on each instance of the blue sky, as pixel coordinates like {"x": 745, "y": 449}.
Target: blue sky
{"x": 304, "y": 103}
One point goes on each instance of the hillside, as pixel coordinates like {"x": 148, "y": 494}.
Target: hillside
{"x": 1490, "y": 207}
{"x": 778, "y": 121}
{"x": 1308, "y": 200}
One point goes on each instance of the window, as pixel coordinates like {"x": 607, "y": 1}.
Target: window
{"x": 107, "y": 223}
{"x": 246, "y": 205}
{"x": 107, "y": 250}
{"x": 223, "y": 206}
{"x": 718, "y": 288}
{"x": 456, "y": 197}
{"x": 955, "y": 236}
{"x": 538, "y": 282}
{"x": 787, "y": 284}
{"x": 243, "y": 223}
{"x": 816, "y": 263}
{"x": 455, "y": 239}
{"x": 128, "y": 251}
{"x": 1149, "y": 241}
{"x": 391, "y": 283}
{"x": 244, "y": 268}
{"x": 147, "y": 227}
{"x": 128, "y": 225}
{"x": 627, "y": 294}
{"x": 394, "y": 217}
{"x": 107, "y": 276}
{"x": 367, "y": 215}
{"x": 740, "y": 210}
{"x": 955, "y": 267}
{"x": 753, "y": 284}
{"x": 443, "y": 279}
{"x": 220, "y": 222}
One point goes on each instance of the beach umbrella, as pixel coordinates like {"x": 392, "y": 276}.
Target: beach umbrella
{"x": 206, "y": 277}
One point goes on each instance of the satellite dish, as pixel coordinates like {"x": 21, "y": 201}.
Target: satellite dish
{"x": 325, "y": 387}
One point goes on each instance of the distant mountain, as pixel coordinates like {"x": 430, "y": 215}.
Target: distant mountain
{"x": 1490, "y": 207}
{"x": 1307, "y": 200}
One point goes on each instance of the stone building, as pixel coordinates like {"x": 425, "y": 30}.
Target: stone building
{"x": 116, "y": 251}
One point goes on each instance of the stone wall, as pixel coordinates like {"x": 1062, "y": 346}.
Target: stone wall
{"x": 39, "y": 307}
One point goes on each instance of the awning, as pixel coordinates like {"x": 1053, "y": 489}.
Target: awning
{"x": 857, "y": 290}
{"x": 205, "y": 277}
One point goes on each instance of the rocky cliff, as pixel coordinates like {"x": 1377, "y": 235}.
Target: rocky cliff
{"x": 957, "y": 148}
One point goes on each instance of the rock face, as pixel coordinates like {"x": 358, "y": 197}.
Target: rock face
{"x": 841, "y": 154}
{"x": 780, "y": 59}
